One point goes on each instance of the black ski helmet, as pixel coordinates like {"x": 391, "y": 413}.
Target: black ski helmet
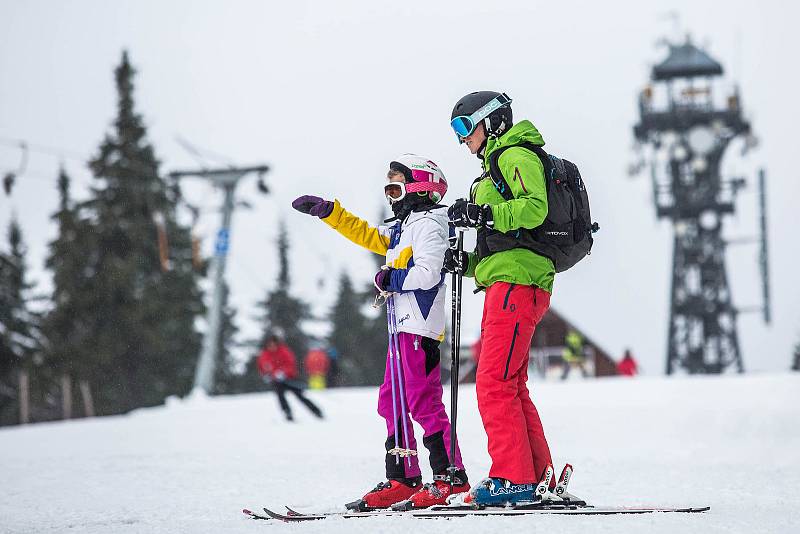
{"x": 497, "y": 123}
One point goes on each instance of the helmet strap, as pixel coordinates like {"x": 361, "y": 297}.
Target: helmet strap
{"x": 487, "y": 125}
{"x": 495, "y": 131}
{"x": 481, "y": 149}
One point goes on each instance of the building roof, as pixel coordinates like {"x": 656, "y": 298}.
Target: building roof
{"x": 684, "y": 61}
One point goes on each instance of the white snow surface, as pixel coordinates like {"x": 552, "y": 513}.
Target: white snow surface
{"x": 730, "y": 442}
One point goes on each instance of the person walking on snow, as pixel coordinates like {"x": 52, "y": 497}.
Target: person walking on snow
{"x": 414, "y": 247}
{"x": 518, "y": 284}
{"x": 278, "y": 367}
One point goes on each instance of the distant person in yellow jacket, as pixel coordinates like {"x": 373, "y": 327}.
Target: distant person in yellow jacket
{"x": 573, "y": 354}
{"x": 317, "y": 363}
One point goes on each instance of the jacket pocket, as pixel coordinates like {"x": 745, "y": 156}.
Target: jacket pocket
{"x": 511, "y": 349}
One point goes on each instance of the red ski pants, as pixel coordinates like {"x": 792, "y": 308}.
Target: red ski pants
{"x": 517, "y": 445}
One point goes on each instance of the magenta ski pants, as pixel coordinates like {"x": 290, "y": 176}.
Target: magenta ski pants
{"x": 419, "y": 364}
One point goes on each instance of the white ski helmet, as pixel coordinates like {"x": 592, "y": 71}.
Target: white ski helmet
{"x": 421, "y": 174}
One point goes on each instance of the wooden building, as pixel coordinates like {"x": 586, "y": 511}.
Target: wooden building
{"x": 547, "y": 349}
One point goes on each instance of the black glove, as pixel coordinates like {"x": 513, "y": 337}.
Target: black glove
{"x": 455, "y": 261}
{"x": 382, "y": 279}
{"x": 468, "y": 214}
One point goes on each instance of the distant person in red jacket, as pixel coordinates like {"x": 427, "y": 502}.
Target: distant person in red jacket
{"x": 627, "y": 365}
{"x": 278, "y": 367}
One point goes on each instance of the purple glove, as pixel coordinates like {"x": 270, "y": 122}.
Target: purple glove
{"x": 382, "y": 279}
{"x": 311, "y": 205}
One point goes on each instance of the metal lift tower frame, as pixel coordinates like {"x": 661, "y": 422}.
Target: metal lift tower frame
{"x": 227, "y": 180}
{"x": 680, "y": 118}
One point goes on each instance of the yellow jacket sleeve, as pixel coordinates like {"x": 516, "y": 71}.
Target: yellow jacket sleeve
{"x": 357, "y": 230}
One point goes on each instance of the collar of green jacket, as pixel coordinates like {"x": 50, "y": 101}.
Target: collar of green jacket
{"x": 523, "y": 131}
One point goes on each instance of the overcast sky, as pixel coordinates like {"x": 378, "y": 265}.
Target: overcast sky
{"x": 328, "y": 92}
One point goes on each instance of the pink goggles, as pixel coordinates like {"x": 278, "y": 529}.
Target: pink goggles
{"x": 397, "y": 191}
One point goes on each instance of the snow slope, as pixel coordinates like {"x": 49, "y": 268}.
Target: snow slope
{"x": 729, "y": 442}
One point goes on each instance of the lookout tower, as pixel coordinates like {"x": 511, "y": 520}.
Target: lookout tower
{"x": 685, "y": 131}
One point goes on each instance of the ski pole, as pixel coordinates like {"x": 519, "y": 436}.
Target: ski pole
{"x": 400, "y": 385}
{"x": 392, "y": 378}
{"x": 457, "y": 244}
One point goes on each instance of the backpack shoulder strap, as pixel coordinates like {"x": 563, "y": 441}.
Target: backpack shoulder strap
{"x": 496, "y": 174}
{"x": 472, "y": 187}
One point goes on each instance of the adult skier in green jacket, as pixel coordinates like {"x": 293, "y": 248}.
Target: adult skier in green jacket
{"x": 518, "y": 283}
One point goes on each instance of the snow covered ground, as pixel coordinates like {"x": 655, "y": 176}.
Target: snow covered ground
{"x": 732, "y": 443}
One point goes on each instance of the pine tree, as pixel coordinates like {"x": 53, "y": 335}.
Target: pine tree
{"x": 283, "y": 314}
{"x": 361, "y": 352}
{"x": 376, "y": 334}
{"x": 225, "y": 378}
{"x": 9, "y": 360}
{"x": 20, "y": 339}
{"x": 63, "y": 327}
{"x": 140, "y": 342}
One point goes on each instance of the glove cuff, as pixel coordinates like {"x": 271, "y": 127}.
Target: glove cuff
{"x": 487, "y": 216}
{"x": 325, "y": 209}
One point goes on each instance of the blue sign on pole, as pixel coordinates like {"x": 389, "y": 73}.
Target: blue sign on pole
{"x": 221, "y": 247}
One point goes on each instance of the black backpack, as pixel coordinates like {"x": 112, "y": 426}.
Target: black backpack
{"x": 565, "y": 236}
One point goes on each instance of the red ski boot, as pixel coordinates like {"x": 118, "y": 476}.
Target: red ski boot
{"x": 435, "y": 493}
{"x": 386, "y": 494}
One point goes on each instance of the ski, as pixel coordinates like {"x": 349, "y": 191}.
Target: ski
{"x": 293, "y": 515}
{"x": 253, "y": 515}
{"x": 552, "y": 510}
{"x": 448, "y": 512}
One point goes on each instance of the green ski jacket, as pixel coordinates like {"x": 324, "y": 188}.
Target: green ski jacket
{"x": 524, "y": 173}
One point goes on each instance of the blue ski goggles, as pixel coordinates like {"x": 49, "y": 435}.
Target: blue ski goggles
{"x": 464, "y": 125}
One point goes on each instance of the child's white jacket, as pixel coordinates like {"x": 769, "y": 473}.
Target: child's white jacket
{"x": 415, "y": 249}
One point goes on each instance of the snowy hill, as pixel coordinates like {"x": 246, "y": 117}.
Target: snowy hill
{"x": 732, "y": 443}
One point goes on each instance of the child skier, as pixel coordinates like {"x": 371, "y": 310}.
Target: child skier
{"x": 414, "y": 247}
